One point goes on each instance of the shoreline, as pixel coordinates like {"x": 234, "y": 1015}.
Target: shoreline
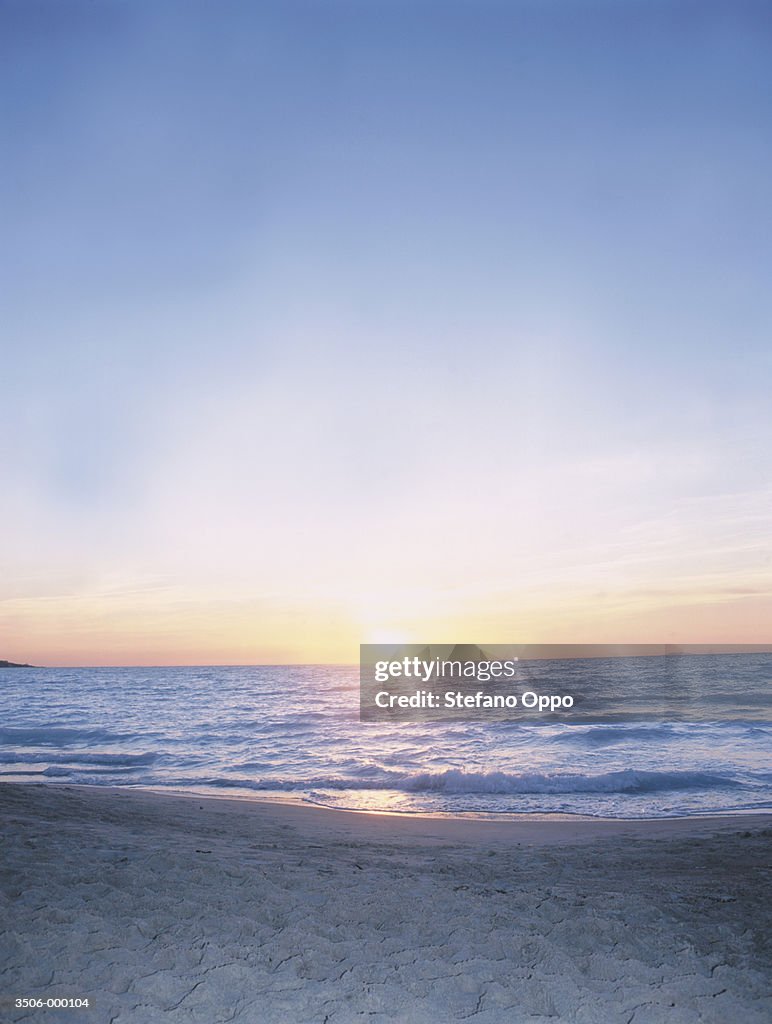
{"x": 206, "y": 910}
{"x": 437, "y": 826}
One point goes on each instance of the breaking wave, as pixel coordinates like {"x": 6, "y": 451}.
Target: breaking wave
{"x": 491, "y": 783}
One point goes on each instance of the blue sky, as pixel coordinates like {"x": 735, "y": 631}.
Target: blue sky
{"x": 330, "y": 319}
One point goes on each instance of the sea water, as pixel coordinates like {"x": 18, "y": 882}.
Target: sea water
{"x": 691, "y": 742}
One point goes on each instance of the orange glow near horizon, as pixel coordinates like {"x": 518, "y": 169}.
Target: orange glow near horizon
{"x": 93, "y": 632}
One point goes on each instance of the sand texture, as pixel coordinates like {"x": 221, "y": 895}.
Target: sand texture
{"x": 177, "y": 909}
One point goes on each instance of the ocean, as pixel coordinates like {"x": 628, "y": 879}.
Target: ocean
{"x": 694, "y": 739}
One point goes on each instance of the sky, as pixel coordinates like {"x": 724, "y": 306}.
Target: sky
{"x": 328, "y": 323}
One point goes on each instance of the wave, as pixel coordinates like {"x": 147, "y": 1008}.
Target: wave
{"x": 455, "y": 781}
{"x": 627, "y": 780}
{"x": 609, "y": 735}
{"x": 91, "y": 773}
{"x": 57, "y": 736}
{"x": 79, "y": 758}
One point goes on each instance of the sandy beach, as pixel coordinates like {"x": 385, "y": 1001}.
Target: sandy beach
{"x": 168, "y": 908}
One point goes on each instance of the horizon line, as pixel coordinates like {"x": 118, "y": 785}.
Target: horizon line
{"x": 675, "y": 650}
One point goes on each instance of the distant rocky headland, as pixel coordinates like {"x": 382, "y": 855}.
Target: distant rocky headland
{"x": 13, "y": 664}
